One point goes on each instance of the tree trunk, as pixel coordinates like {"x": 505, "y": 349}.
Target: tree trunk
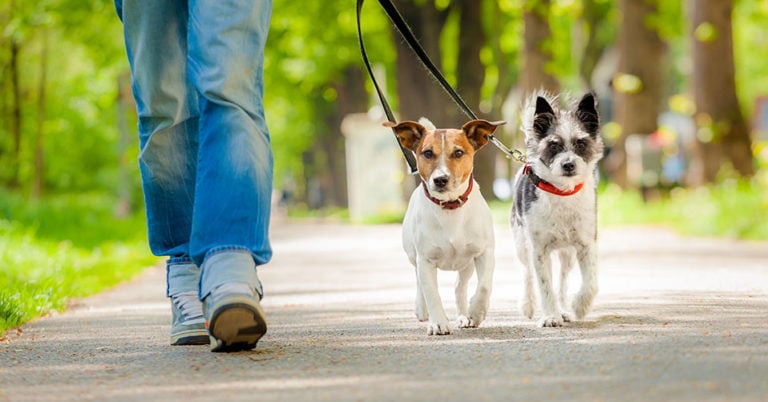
{"x": 15, "y": 49}
{"x": 718, "y": 116}
{"x": 639, "y": 81}
{"x": 508, "y": 76}
{"x": 351, "y": 97}
{"x": 417, "y": 93}
{"x": 125, "y": 106}
{"x": 326, "y": 163}
{"x": 38, "y": 183}
{"x": 593, "y": 16}
{"x": 536, "y": 56}
{"x": 470, "y": 74}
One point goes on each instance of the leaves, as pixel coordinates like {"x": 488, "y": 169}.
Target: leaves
{"x": 310, "y": 49}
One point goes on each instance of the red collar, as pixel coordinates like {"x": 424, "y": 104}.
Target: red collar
{"x": 450, "y": 204}
{"x": 547, "y": 186}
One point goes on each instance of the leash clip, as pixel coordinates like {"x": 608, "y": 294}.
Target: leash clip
{"x": 509, "y": 153}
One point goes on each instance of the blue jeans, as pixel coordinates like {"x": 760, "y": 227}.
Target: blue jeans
{"x": 205, "y": 157}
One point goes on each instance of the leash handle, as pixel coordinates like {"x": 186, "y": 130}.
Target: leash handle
{"x": 409, "y": 156}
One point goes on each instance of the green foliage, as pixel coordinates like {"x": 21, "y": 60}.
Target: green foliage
{"x": 62, "y": 248}
{"x": 750, "y": 43}
{"x": 310, "y": 46}
{"x": 733, "y": 208}
{"x": 84, "y": 55}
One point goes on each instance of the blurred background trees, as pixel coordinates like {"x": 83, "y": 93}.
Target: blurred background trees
{"x": 688, "y": 78}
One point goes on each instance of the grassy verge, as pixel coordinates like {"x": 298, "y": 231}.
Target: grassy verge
{"x": 731, "y": 209}
{"x": 63, "y": 247}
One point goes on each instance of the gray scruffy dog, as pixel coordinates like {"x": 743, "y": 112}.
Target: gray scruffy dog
{"x": 555, "y": 206}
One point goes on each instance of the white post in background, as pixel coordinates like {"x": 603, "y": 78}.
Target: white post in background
{"x": 374, "y": 168}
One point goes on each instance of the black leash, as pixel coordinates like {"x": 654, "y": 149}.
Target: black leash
{"x": 413, "y": 43}
{"x": 409, "y": 157}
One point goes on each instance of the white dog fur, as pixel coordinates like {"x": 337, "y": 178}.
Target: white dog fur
{"x": 448, "y": 224}
{"x": 555, "y": 207}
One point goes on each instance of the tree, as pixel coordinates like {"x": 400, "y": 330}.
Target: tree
{"x": 465, "y": 29}
{"x": 599, "y": 36}
{"x": 38, "y": 180}
{"x": 470, "y": 76}
{"x": 723, "y": 132}
{"x": 538, "y": 48}
{"x": 13, "y": 69}
{"x": 417, "y": 94}
{"x": 638, "y": 84}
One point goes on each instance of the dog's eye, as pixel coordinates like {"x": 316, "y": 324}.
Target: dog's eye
{"x": 580, "y": 144}
{"x": 555, "y": 146}
{"x": 457, "y": 154}
{"x": 428, "y": 154}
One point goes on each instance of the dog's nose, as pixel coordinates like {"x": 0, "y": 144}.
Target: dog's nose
{"x": 569, "y": 167}
{"x": 440, "y": 182}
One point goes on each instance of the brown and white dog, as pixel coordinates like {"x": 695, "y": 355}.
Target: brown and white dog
{"x": 448, "y": 224}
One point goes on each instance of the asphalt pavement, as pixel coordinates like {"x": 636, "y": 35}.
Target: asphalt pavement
{"x": 676, "y": 319}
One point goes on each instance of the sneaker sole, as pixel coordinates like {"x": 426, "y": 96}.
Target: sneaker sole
{"x": 236, "y": 325}
{"x": 190, "y": 337}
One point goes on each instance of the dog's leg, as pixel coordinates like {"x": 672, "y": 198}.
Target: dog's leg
{"x": 566, "y": 264}
{"x": 587, "y": 256}
{"x": 427, "y": 277}
{"x": 478, "y": 306}
{"x": 420, "y": 308}
{"x": 462, "y": 282}
{"x": 527, "y": 300}
{"x": 542, "y": 264}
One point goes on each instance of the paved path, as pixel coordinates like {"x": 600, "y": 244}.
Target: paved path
{"x": 676, "y": 320}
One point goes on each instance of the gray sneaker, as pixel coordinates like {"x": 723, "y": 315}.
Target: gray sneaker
{"x": 188, "y": 326}
{"x": 234, "y": 318}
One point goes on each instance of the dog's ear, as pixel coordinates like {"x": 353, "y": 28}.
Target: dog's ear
{"x": 586, "y": 112}
{"x": 543, "y": 117}
{"x": 478, "y": 131}
{"x": 408, "y": 133}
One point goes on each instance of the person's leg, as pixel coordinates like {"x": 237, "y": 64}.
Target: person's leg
{"x": 167, "y": 107}
{"x": 229, "y": 235}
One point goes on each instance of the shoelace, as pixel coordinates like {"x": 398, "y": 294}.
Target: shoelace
{"x": 189, "y": 305}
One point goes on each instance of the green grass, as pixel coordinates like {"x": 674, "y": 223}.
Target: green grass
{"x": 63, "y": 247}
{"x": 732, "y": 209}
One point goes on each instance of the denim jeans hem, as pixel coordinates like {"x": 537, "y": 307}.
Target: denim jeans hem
{"x": 226, "y": 264}
{"x": 182, "y": 275}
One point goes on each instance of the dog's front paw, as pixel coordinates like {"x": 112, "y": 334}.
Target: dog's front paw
{"x": 567, "y": 317}
{"x": 526, "y": 307}
{"x": 420, "y": 310}
{"x": 466, "y": 322}
{"x": 550, "y": 322}
{"x": 477, "y": 315}
{"x": 438, "y": 328}
{"x": 581, "y": 305}
{"x": 421, "y": 315}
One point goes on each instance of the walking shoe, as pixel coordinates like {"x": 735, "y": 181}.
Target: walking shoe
{"x": 188, "y": 326}
{"x": 234, "y": 318}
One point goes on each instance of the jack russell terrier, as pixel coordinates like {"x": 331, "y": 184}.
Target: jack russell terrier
{"x": 448, "y": 224}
